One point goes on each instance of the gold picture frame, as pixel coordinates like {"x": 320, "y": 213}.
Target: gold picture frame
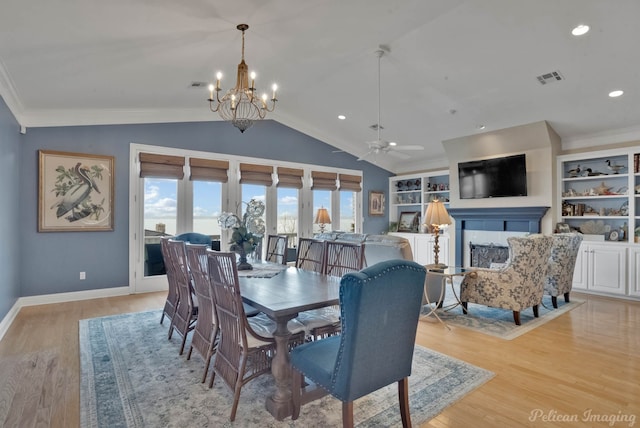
{"x": 376, "y": 203}
{"x": 75, "y": 192}
{"x": 407, "y": 221}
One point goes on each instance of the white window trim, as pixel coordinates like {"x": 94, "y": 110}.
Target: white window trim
{"x": 230, "y": 196}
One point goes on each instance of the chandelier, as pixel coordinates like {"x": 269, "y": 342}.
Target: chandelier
{"x": 240, "y": 105}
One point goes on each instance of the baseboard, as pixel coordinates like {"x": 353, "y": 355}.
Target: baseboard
{"x": 46, "y": 299}
{"x": 8, "y": 319}
{"x": 73, "y": 296}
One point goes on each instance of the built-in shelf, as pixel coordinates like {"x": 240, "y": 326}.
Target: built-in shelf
{"x": 413, "y": 193}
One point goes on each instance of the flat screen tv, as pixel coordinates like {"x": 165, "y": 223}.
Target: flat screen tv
{"x": 493, "y": 178}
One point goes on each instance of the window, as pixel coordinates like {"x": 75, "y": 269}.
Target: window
{"x": 321, "y": 199}
{"x": 208, "y": 176}
{"x": 288, "y": 195}
{"x": 176, "y": 191}
{"x": 287, "y": 214}
{"x": 348, "y": 211}
{"x": 207, "y": 206}
{"x": 160, "y": 175}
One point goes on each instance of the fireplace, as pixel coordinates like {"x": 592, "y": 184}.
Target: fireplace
{"x": 506, "y": 219}
{"x": 482, "y": 255}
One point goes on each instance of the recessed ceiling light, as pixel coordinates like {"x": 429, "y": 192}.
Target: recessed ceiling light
{"x": 392, "y": 143}
{"x": 616, "y": 93}
{"x": 580, "y": 30}
{"x": 480, "y": 127}
{"x": 342, "y": 117}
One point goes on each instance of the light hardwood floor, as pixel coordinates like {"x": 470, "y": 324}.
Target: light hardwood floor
{"x": 584, "y": 364}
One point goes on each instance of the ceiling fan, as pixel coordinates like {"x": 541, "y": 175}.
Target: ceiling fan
{"x": 383, "y": 146}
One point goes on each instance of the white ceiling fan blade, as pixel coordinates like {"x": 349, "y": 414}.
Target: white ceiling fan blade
{"x": 398, "y": 155}
{"x": 377, "y": 144}
{"x": 414, "y": 147}
{"x": 364, "y": 156}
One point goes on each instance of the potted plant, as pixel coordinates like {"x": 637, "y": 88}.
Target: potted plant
{"x": 247, "y": 232}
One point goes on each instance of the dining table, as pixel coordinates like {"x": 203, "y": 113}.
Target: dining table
{"x": 282, "y": 297}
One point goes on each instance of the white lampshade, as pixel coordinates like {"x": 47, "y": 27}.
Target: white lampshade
{"x": 437, "y": 214}
{"x": 322, "y": 216}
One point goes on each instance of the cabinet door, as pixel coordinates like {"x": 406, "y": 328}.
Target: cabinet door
{"x": 443, "y": 254}
{"x": 580, "y": 273}
{"x": 423, "y": 249}
{"x": 608, "y": 269}
{"x": 634, "y": 272}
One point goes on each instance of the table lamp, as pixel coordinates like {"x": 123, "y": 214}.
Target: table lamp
{"x": 436, "y": 216}
{"x": 322, "y": 218}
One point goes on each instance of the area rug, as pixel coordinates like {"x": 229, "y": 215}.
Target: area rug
{"x": 499, "y": 322}
{"x": 132, "y": 376}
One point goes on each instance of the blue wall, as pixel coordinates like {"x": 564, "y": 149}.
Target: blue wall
{"x": 51, "y": 261}
{"x": 9, "y": 210}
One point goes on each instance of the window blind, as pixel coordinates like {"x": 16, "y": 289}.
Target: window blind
{"x": 161, "y": 166}
{"x": 209, "y": 170}
{"x": 256, "y": 174}
{"x": 290, "y": 177}
{"x": 350, "y": 182}
{"x": 324, "y": 180}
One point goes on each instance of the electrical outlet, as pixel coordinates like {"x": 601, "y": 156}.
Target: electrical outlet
{"x": 83, "y": 275}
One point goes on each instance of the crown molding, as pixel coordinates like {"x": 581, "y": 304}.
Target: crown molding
{"x": 37, "y": 118}
{"x": 602, "y": 138}
{"x": 9, "y": 94}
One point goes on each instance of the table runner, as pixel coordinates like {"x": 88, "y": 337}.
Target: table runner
{"x": 260, "y": 270}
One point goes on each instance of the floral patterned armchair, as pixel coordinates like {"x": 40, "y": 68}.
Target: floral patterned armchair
{"x": 518, "y": 285}
{"x": 562, "y": 263}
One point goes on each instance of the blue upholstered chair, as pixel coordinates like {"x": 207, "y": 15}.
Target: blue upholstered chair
{"x": 380, "y": 306}
{"x": 193, "y": 238}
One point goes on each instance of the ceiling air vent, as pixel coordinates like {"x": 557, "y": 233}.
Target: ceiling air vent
{"x": 554, "y": 76}
{"x": 198, "y": 85}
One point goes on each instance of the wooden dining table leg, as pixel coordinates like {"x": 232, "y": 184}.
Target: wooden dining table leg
{"x": 280, "y": 404}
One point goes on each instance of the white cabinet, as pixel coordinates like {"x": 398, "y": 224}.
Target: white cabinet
{"x": 634, "y": 271}
{"x": 412, "y": 193}
{"x": 422, "y": 246}
{"x": 601, "y": 268}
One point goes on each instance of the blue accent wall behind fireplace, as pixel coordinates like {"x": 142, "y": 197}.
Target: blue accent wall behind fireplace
{"x": 507, "y": 219}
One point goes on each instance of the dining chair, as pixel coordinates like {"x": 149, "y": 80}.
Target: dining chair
{"x": 276, "y": 249}
{"x": 186, "y": 312}
{"x": 242, "y": 353}
{"x": 171, "y": 303}
{"x": 321, "y": 322}
{"x": 311, "y": 254}
{"x": 342, "y": 257}
{"x": 206, "y": 328}
{"x": 380, "y": 306}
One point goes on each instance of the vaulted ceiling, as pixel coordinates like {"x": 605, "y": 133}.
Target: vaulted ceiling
{"x": 453, "y": 65}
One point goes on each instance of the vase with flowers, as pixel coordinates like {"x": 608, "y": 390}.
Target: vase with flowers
{"x": 247, "y": 230}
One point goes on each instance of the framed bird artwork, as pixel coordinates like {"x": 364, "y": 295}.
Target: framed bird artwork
{"x": 75, "y": 192}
